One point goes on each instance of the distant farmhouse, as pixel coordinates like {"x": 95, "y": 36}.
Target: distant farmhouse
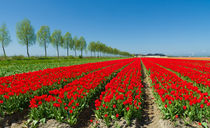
{"x": 150, "y": 55}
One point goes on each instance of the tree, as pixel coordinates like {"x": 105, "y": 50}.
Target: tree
{"x": 110, "y": 50}
{"x": 67, "y": 39}
{"x": 75, "y": 44}
{"x": 103, "y": 48}
{"x": 97, "y": 47}
{"x": 43, "y": 37}
{"x": 115, "y": 51}
{"x": 25, "y": 34}
{"x": 56, "y": 40}
{"x": 4, "y": 37}
{"x": 91, "y": 46}
{"x": 72, "y": 46}
{"x": 78, "y": 44}
{"x": 82, "y": 45}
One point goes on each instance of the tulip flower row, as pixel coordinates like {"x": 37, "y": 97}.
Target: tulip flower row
{"x": 122, "y": 96}
{"x": 65, "y": 104}
{"x": 175, "y": 96}
{"x": 184, "y": 70}
{"x": 16, "y": 90}
{"x": 198, "y": 65}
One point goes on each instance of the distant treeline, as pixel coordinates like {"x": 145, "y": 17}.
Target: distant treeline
{"x": 26, "y": 36}
{"x": 156, "y": 54}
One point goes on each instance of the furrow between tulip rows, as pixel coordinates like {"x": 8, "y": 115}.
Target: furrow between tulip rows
{"x": 122, "y": 96}
{"x": 16, "y": 90}
{"x": 175, "y": 96}
{"x": 65, "y": 104}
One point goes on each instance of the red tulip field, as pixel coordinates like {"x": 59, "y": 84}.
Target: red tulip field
{"x": 180, "y": 87}
{"x": 113, "y": 91}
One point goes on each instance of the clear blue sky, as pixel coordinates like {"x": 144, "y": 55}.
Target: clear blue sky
{"x": 174, "y": 27}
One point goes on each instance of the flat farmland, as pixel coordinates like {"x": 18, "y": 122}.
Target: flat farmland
{"x": 132, "y": 92}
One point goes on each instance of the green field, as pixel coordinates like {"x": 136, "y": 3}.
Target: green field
{"x": 13, "y": 66}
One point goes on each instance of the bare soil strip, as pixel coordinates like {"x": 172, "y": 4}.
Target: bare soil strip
{"x": 14, "y": 118}
{"x": 86, "y": 115}
{"x": 151, "y": 114}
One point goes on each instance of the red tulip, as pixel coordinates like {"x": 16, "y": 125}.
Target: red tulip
{"x": 127, "y": 108}
{"x": 114, "y": 106}
{"x": 117, "y": 115}
{"x": 105, "y": 115}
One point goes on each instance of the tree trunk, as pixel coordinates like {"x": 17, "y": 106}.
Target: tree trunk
{"x": 67, "y": 49}
{"x": 81, "y": 52}
{"x": 27, "y": 50}
{"x": 4, "y": 50}
{"x": 91, "y": 53}
{"x": 57, "y": 51}
{"x": 75, "y": 52}
{"x": 45, "y": 49}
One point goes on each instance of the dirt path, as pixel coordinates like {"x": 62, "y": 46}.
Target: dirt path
{"x": 151, "y": 113}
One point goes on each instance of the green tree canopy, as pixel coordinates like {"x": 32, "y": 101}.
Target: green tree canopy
{"x": 4, "y": 37}
{"x": 82, "y": 44}
{"x": 56, "y": 40}
{"x": 102, "y": 48}
{"x": 67, "y": 42}
{"x": 76, "y": 44}
{"x": 25, "y": 34}
{"x": 72, "y": 45}
{"x": 91, "y": 47}
{"x": 43, "y": 37}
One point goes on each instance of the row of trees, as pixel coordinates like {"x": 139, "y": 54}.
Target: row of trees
{"x": 100, "y": 48}
{"x": 27, "y": 37}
